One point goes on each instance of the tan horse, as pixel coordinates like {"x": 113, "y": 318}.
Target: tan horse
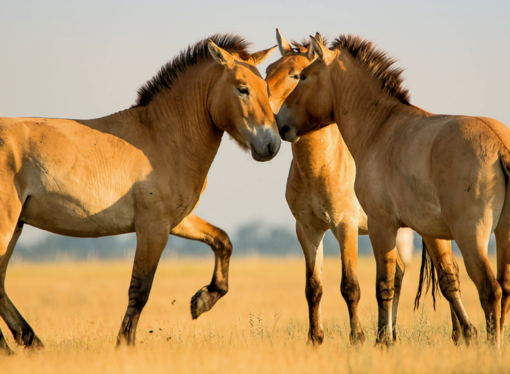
{"x": 141, "y": 170}
{"x": 320, "y": 194}
{"x": 443, "y": 176}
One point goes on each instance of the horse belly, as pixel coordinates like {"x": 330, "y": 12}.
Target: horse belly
{"x": 74, "y": 215}
{"x": 426, "y": 219}
{"x": 84, "y": 200}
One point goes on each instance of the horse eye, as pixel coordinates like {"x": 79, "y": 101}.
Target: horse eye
{"x": 295, "y": 76}
{"x": 302, "y": 77}
{"x": 243, "y": 90}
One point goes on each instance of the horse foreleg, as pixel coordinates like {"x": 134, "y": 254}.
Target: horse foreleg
{"x": 383, "y": 239}
{"x": 347, "y": 236}
{"x": 195, "y": 228}
{"x": 150, "y": 244}
{"x": 21, "y": 330}
{"x": 311, "y": 243}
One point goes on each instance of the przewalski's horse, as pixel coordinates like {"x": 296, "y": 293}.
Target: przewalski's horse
{"x": 320, "y": 194}
{"x": 443, "y": 176}
{"x": 140, "y": 170}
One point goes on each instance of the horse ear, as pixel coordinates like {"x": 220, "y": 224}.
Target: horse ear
{"x": 310, "y": 53}
{"x": 260, "y": 56}
{"x": 283, "y": 45}
{"x": 324, "y": 54}
{"x": 319, "y": 38}
{"x": 221, "y": 56}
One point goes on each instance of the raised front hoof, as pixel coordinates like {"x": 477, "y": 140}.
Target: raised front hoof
{"x": 357, "y": 337}
{"x": 201, "y": 302}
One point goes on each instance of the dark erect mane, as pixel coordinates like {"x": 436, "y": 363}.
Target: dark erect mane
{"x": 376, "y": 62}
{"x": 305, "y": 43}
{"x": 172, "y": 70}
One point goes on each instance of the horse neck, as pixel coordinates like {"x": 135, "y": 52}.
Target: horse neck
{"x": 174, "y": 130}
{"x": 317, "y": 150}
{"x": 362, "y": 109}
{"x": 181, "y": 121}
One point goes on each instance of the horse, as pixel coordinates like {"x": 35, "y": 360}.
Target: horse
{"x": 140, "y": 170}
{"x": 320, "y": 195}
{"x": 443, "y": 176}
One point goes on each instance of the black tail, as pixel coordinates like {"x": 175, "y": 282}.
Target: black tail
{"x": 427, "y": 273}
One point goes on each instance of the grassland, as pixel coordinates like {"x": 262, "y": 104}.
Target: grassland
{"x": 259, "y": 327}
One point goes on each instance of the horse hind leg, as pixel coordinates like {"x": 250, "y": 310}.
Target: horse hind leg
{"x": 479, "y": 270}
{"x": 441, "y": 254}
{"x": 457, "y": 329}
{"x": 502, "y": 233}
{"x": 399, "y": 278}
{"x": 195, "y": 228}
{"x": 21, "y": 330}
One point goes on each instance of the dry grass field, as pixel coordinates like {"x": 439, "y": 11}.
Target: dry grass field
{"x": 259, "y": 327}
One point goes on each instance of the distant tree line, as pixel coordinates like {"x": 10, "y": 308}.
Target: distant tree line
{"x": 251, "y": 239}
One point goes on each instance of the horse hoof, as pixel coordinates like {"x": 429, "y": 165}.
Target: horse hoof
{"x": 357, "y": 338}
{"x": 470, "y": 333}
{"x": 317, "y": 339}
{"x": 201, "y": 302}
{"x": 382, "y": 343}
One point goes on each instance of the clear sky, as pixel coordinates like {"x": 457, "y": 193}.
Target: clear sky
{"x": 86, "y": 59}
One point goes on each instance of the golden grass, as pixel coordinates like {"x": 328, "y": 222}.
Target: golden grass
{"x": 259, "y": 327}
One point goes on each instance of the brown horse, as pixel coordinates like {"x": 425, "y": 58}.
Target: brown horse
{"x": 320, "y": 194}
{"x": 141, "y": 170}
{"x": 444, "y": 176}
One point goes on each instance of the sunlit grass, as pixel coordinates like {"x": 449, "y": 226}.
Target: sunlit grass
{"x": 259, "y": 327}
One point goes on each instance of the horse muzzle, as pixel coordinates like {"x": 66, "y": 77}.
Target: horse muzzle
{"x": 288, "y": 131}
{"x": 265, "y": 146}
{"x": 289, "y": 134}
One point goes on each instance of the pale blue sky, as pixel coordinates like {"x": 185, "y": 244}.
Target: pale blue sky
{"x": 77, "y": 59}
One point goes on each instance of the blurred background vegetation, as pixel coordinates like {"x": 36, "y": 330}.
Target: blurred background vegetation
{"x": 251, "y": 239}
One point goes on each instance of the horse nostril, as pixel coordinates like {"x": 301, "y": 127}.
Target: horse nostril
{"x": 269, "y": 151}
{"x": 283, "y": 130}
